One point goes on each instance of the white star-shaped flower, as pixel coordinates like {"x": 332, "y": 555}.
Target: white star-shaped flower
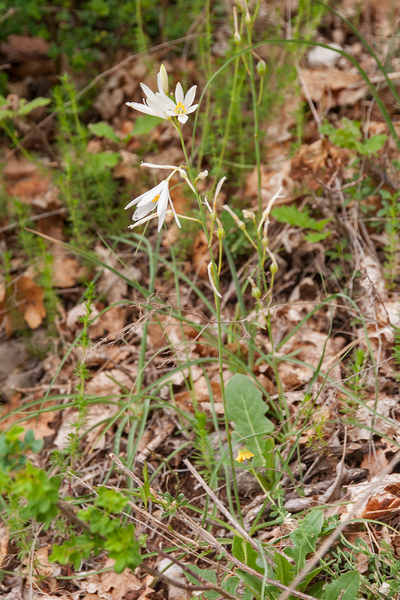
{"x": 182, "y": 106}
{"x": 158, "y": 197}
{"x": 152, "y": 105}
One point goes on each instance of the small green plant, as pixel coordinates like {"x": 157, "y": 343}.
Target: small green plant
{"x": 390, "y": 211}
{"x": 293, "y": 216}
{"x": 86, "y": 181}
{"x": 351, "y": 136}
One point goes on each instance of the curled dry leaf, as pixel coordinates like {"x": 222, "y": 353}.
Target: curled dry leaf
{"x": 18, "y": 169}
{"x": 115, "y": 586}
{"x": 384, "y": 408}
{"x": 22, "y": 297}
{"x": 202, "y": 394}
{"x": 39, "y": 424}
{"x": 375, "y": 499}
{"x": 308, "y": 346}
{"x": 376, "y": 460}
{"x": 333, "y": 86}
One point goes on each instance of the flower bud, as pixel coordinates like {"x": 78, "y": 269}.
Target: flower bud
{"x": 220, "y": 232}
{"x": 248, "y": 214}
{"x": 202, "y": 175}
{"x": 237, "y": 38}
{"x": 162, "y": 80}
{"x": 255, "y": 292}
{"x": 261, "y": 68}
{"x": 274, "y": 267}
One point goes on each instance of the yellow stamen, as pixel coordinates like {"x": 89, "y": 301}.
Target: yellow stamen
{"x": 244, "y": 454}
{"x": 180, "y": 108}
{"x": 156, "y": 198}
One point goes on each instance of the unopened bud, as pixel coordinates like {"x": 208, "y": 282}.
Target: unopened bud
{"x": 237, "y": 38}
{"x": 220, "y": 232}
{"x": 240, "y": 224}
{"x": 213, "y": 216}
{"x": 255, "y": 291}
{"x": 261, "y": 67}
{"x": 274, "y": 267}
{"x": 247, "y": 18}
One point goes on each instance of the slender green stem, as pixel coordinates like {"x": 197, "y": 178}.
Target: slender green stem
{"x": 230, "y": 113}
{"x": 256, "y": 125}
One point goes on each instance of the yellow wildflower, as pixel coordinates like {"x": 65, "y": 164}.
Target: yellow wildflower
{"x": 244, "y": 454}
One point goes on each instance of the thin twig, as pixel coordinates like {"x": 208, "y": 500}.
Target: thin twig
{"x": 184, "y": 586}
{"x": 221, "y": 507}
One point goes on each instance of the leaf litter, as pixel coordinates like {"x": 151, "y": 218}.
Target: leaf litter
{"x": 303, "y": 267}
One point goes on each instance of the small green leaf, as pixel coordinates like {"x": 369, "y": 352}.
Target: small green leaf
{"x": 345, "y": 588}
{"x": 104, "y": 130}
{"x": 375, "y": 143}
{"x": 305, "y": 538}
{"x": 293, "y": 216}
{"x": 145, "y": 124}
{"x": 316, "y": 236}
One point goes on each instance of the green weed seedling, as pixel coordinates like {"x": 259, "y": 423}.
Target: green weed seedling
{"x": 293, "y": 216}
{"x": 390, "y": 212}
{"x": 350, "y": 136}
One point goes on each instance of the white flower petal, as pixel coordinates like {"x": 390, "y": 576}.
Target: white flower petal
{"x": 143, "y": 211}
{"x": 154, "y": 166}
{"x": 182, "y": 118}
{"x": 157, "y": 107}
{"x": 188, "y": 101}
{"x": 162, "y": 208}
{"x": 191, "y": 109}
{"x": 174, "y": 213}
{"x": 149, "y": 93}
{"x": 167, "y": 102}
{"x": 142, "y": 108}
{"x": 162, "y": 202}
{"x": 135, "y": 201}
{"x": 142, "y": 221}
{"x": 152, "y": 194}
{"x": 179, "y": 97}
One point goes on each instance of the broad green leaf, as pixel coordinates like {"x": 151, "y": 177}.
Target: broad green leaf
{"x": 345, "y": 588}
{"x": 242, "y": 550}
{"x": 284, "y": 571}
{"x": 247, "y": 410}
{"x": 104, "y": 130}
{"x": 145, "y": 124}
{"x": 251, "y": 582}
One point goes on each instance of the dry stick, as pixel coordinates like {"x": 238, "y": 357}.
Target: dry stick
{"x": 210, "y": 539}
{"x": 184, "y": 586}
{"x": 221, "y": 507}
{"x": 331, "y": 539}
